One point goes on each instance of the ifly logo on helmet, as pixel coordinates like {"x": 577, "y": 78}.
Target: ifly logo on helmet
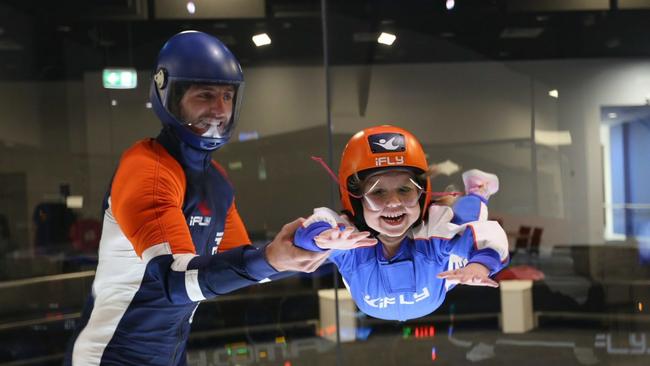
{"x": 382, "y": 143}
{"x": 386, "y": 143}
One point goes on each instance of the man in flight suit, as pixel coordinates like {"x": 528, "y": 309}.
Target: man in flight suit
{"x": 171, "y": 234}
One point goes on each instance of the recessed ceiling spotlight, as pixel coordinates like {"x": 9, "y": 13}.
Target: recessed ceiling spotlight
{"x": 261, "y": 39}
{"x": 386, "y": 38}
{"x": 554, "y": 93}
{"x": 191, "y": 8}
{"x": 450, "y": 4}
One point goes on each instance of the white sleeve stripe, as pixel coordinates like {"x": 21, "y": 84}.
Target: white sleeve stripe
{"x": 264, "y": 280}
{"x": 181, "y": 261}
{"x": 489, "y": 234}
{"x": 156, "y": 250}
{"x": 192, "y": 285}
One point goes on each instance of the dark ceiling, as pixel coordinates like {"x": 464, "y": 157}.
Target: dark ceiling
{"x": 51, "y": 40}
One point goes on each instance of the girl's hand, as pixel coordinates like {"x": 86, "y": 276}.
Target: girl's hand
{"x": 473, "y": 274}
{"x": 348, "y": 238}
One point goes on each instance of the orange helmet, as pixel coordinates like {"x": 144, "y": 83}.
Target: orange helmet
{"x": 378, "y": 148}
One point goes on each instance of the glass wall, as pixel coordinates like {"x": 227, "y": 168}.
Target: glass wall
{"x": 550, "y": 97}
{"x": 499, "y": 96}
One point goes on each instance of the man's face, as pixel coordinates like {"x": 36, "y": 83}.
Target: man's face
{"x": 206, "y": 109}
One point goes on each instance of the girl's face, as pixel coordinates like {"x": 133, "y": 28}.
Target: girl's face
{"x": 391, "y": 202}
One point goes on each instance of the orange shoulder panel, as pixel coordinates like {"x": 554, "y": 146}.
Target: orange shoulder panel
{"x": 235, "y": 234}
{"x": 147, "y": 198}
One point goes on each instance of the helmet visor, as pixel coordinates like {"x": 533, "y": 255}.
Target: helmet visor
{"x": 206, "y": 109}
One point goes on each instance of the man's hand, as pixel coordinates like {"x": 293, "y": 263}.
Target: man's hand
{"x": 284, "y": 256}
{"x": 473, "y": 274}
{"x": 349, "y": 238}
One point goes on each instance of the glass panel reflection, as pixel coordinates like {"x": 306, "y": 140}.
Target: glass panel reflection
{"x": 550, "y": 97}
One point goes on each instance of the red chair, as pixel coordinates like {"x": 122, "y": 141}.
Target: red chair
{"x": 535, "y": 240}
{"x": 523, "y": 239}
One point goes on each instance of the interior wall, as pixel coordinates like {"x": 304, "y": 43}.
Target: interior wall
{"x": 491, "y": 103}
{"x": 584, "y": 86}
{"x": 41, "y": 141}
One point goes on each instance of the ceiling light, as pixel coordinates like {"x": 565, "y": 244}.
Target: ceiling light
{"x": 261, "y": 39}
{"x": 450, "y": 4}
{"x": 553, "y": 93}
{"x": 191, "y": 8}
{"x": 612, "y": 115}
{"x": 386, "y": 38}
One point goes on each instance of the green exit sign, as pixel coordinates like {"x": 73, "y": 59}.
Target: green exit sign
{"x": 120, "y": 78}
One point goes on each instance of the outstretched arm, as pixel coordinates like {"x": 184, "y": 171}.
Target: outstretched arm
{"x": 325, "y": 230}
{"x": 146, "y": 208}
{"x": 473, "y": 274}
{"x": 284, "y": 256}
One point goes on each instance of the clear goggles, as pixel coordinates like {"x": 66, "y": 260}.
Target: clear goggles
{"x": 380, "y": 195}
{"x": 377, "y": 197}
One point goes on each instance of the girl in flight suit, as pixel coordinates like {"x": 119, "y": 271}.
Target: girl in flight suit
{"x": 413, "y": 251}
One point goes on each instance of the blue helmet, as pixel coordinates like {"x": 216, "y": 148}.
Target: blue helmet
{"x": 190, "y": 58}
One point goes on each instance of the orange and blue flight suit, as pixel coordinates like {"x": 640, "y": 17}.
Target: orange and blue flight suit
{"x": 170, "y": 208}
{"x": 163, "y": 223}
